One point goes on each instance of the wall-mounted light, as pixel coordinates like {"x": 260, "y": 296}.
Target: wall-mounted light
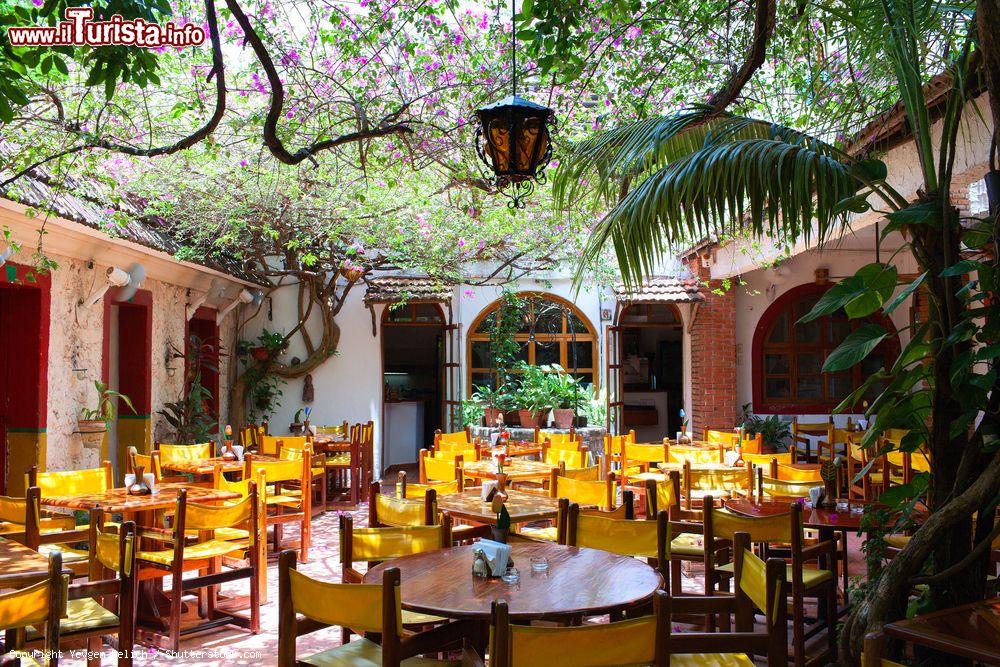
{"x": 80, "y": 374}
{"x": 113, "y": 277}
{"x": 246, "y": 297}
{"x": 168, "y": 360}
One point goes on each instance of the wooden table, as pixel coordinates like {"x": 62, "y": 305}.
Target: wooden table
{"x": 812, "y": 517}
{"x": 522, "y": 507}
{"x": 521, "y": 448}
{"x": 514, "y": 469}
{"x": 970, "y": 631}
{"x": 698, "y": 466}
{"x": 21, "y": 566}
{"x": 118, "y": 500}
{"x": 331, "y": 443}
{"x": 578, "y": 581}
{"x": 207, "y": 466}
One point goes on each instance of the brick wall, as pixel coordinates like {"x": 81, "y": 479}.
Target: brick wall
{"x": 713, "y": 357}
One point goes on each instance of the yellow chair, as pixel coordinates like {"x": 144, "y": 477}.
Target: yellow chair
{"x": 41, "y": 604}
{"x": 790, "y": 473}
{"x": 170, "y": 453}
{"x": 22, "y": 518}
{"x": 629, "y": 642}
{"x": 639, "y": 460}
{"x": 764, "y": 460}
{"x": 456, "y": 440}
{"x": 452, "y": 454}
{"x": 834, "y": 443}
{"x": 283, "y": 497}
{"x": 359, "y": 608}
{"x": 613, "y": 449}
{"x": 268, "y": 445}
{"x": 787, "y": 530}
{"x": 386, "y": 510}
{"x": 572, "y": 440}
{"x": 697, "y": 483}
{"x": 71, "y": 482}
{"x": 113, "y": 578}
{"x": 803, "y": 432}
{"x": 602, "y": 494}
{"x": 434, "y": 470}
{"x": 417, "y": 491}
{"x": 151, "y": 463}
{"x": 718, "y": 437}
{"x": 293, "y": 448}
{"x": 680, "y": 454}
{"x": 205, "y": 554}
{"x": 588, "y": 474}
{"x": 769, "y": 487}
{"x": 626, "y": 537}
{"x": 568, "y": 458}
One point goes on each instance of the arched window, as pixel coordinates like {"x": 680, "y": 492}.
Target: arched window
{"x": 553, "y": 331}
{"x": 788, "y": 357}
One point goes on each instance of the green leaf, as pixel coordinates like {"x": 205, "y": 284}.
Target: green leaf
{"x": 962, "y": 268}
{"x": 896, "y": 496}
{"x": 835, "y": 298}
{"x": 871, "y": 170}
{"x": 856, "y": 346}
{"x": 902, "y": 296}
{"x": 919, "y": 214}
{"x": 879, "y": 283}
{"x": 855, "y": 204}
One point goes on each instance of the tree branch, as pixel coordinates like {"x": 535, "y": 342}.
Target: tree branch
{"x": 762, "y": 30}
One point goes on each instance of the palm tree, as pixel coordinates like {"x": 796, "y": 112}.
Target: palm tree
{"x": 703, "y": 172}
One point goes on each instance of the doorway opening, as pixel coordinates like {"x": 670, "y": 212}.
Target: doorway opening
{"x": 651, "y": 362}
{"x": 412, "y": 380}
{"x": 24, "y": 329}
{"x": 128, "y": 332}
{"x": 206, "y": 332}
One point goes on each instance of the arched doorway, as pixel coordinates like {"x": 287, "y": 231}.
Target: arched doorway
{"x": 412, "y": 380}
{"x": 788, "y": 357}
{"x": 554, "y": 331}
{"x": 650, "y": 377}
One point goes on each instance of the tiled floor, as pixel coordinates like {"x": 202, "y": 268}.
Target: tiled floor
{"x": 230, "y": 646}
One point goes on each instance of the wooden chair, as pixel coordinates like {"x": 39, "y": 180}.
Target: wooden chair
{"x": 267, "y": 445}
{"x": 567, "y": 458}
{"x": 612, "y": 456}
{"x": 769, "y": 487}
{"x": 283, "y": 497}
{"x": 113, "y": 577}
{"x": 170, "y": 453}
{"x": 759, "y": 586}
{"x": 205, "y": 554}
{"x": 435, "y": 470}
{"x": 249, "y": 437}
{"x": 639, "y": 461}
{"x": 293, "y": 448}
{"x": 599, "y": 494}
{"x": 450, "y": 454}
{"x": 386, "y": 510}
{"x": 362, "y": 608}
{"x": 343, "y": 470}
{"x": 417, "y": 491}
{"x": 70, "y": 483}
{"x": 764, "y": 460}
{"x": 588, "y": 474}
{"x": 572, "y": 440}
{"x": 151, "y": 463}
{"x": 460, "y": 440}
{"x": 242, "y": 535}
{"x": 41, "y": 604}
{"x": 699, "y": 483}
{"x": 803, "y": 432}
{"x": 635, "y": 641}
{"x": 627, "y": 537}
{"x": 728, "y": 439}
{"x": 819, "y": 583}
{"x": 833, "y": 443}
{"x": 367, "y": 451}
{"x": 22, "y": 518}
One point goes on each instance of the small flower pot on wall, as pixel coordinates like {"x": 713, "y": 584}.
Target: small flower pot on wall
{"x": 91, "y": 432}
{"x": 562, "y": 417}
{"x": 260, "y": 353}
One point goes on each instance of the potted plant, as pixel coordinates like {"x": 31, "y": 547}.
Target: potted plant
{"x": 567, "y": 394}
{"x": 775, "y": 433}
{"x": 534, "y": 398}
{"x": 94, "y": 422}
{"x": 495, "y": 402}
{"x": 299, "y": 425}
{"x": 271, "y": 344}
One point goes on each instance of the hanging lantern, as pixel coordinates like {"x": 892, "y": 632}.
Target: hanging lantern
{"x": 513, "y": 138}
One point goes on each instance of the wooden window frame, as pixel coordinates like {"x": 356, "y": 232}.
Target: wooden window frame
{"x": 792, "y": 405}
{"x": 564, "y": 339}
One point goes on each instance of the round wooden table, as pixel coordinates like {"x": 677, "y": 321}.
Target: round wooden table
{"x": 812, "y": 517}
{"x": 578, "y": 581}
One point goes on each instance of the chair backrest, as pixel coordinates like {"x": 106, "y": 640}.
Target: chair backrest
{"x": 363, "y": 608}
{"x": 664, "y": 494}
{"x": 452, "y": 454}
{"x": 720, "y": 437}
{"x": 627, "y": 537}
{"x": 41, "y": 605}
{"x": 629, "y": 642}
{"x": 439, "y": 470}
{"x": 385, "y": 510}
{"x": 378, "y": 544}
{"x": 774, "y": 528}
{"x": 249, "y": 436}
{"x": 170, "y": 453}
{"x": 613, "y": 443}
{"x": 769, "y": 487}
{"x": 268, "y": 444}
{"x": 801, "y": 427}
{"x": 291, "y": 447}
{"x": 752, "y": 444}
{"x": 600, "y": 493}
{"x": 694, "y": 454}
{"x": 113, "y": 571}
{"x": 240, "y": 486}
{"x": 589, "y": 474}
{"x": 790, "y": 473}
{"x": 717, "y": 478}
{"x": 209, "y": 518}
{"x": 764, "y": 460}
{"x": 417, "y": 491}
{"x": 645, "y": 453}
{"x": 281, "y": 471}
{"x": 572, "y": 458}
{"x": 571, "y": 441}
{"x": 456, "y": 440}
{"x": 335, "y": 429}
{"x": 72, "y": 482}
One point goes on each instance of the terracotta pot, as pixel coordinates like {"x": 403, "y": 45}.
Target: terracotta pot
{"x": 296, "y": 428}
{"x": 490, "y": 416}
{"x": 260, "y": 353}
{"x": 530, "y": 418}
{"x": 92, "y": 432}
{"x": 562, "y": 418}
{"x": 512, "y": 417}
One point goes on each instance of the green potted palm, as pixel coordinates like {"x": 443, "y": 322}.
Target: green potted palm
{"x": 495, "y": 402}
{"x": 566, "y": 393}
{"x": 534, "y": 396}
{"x": 94, "y": 422}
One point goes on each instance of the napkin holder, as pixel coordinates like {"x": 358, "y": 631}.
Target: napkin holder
{"x": 816, "y": 494}
{"x": 497, "y": 556}
{"x": 148, "y": 477}
{"x": 486, "y": 491}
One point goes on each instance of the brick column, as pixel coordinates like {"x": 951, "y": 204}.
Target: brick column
{"x": 713, "y": 357}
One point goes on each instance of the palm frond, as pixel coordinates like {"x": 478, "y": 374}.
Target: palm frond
{"x": 784, "y": 184}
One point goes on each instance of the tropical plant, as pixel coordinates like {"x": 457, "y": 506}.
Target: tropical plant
{"x": 189, "y": 416}
{"x": 596, "y": 407}
{"x": 472, "y": 412}
{"x": 501, "y": 398}
{"x": 107, "y": 402}
{"x": 272, "y": 341}
{"x": 704, "y": 172}
{"x": 263, "y": 394}
{"x": 505, "y": 322}
{"x": 775, "y": 433}
{"x": 566, "y": 392}
{"x": 534, "y": 390}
